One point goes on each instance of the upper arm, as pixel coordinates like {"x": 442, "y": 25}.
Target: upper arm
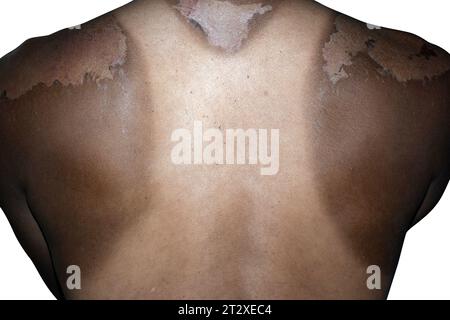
{"x": 14, "y": 203}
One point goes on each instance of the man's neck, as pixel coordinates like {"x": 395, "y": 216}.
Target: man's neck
{"x": 226, "y": 24}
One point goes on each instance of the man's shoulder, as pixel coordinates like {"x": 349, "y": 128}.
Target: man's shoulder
{"x": 68, "y": 57}
{"x": 401, "y": 55}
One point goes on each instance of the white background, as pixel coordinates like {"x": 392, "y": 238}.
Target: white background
{"x": 425, "y": 260}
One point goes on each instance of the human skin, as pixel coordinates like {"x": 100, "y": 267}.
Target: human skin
{"x": 86, "y": 178}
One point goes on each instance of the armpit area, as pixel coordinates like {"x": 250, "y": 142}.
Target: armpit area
{"x": 91, "y": 51}
{"x": 225, "y": 25}
{"x": 401, "y": 55}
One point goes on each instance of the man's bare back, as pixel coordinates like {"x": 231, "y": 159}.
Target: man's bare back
{"x": 87, "y": 174}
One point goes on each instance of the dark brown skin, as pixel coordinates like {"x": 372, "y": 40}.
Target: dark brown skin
{"x": 86, "y": 177}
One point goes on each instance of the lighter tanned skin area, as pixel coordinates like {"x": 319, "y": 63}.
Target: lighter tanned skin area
{"x": 86, "y": 178}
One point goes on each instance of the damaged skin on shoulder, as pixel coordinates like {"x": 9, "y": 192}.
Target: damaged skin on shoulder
{"x": 93, "y": 51}
{"x": 225, "y": 24}
{"x": 403, "y": 56}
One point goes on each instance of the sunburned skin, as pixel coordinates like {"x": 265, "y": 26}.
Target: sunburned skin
{"x": 401, "y": 56}
{"x": 86, "y": 175}
{"x": 69, "y": 58}
{"x": 225, "y": 25}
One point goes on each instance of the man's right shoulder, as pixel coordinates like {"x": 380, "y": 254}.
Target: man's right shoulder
{"x": 401, "y": 55}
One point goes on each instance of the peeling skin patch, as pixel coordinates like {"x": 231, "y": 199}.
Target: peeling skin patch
{"x": 403, "y": 56}
{"x": 78, "y": 27}
{"x": 372, "y": 26}
{"x": 226, "y": 25}
{"x": 68, "y": 57}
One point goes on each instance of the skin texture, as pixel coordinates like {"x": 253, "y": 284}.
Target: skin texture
{"x": 225, "y": 24}
{"x": 86, "y": 176}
